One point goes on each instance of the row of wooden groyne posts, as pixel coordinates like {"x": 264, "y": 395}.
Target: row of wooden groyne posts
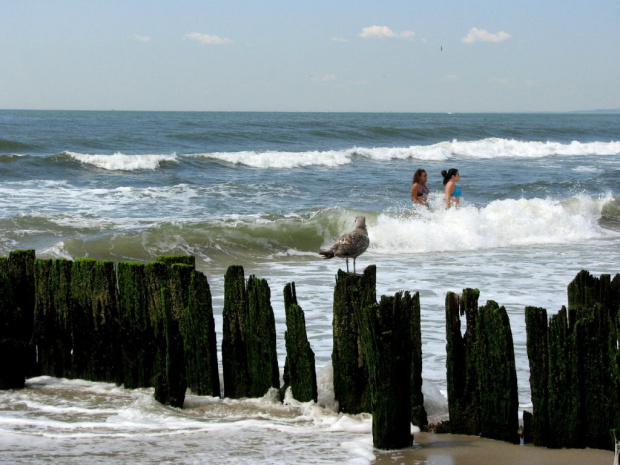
{"x": 151, "y": 325}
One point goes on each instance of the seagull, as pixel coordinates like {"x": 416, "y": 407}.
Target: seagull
{"x": 350, "y": 245}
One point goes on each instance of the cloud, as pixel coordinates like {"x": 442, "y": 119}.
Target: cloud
{"x": 339, "y": 39}
{"x": 451, "y": 77}
{"x": 480, "y": 35}
{"x": 141, "y": 38}
{"x": 207, "y": 39}
{"x": 384, "y": 32}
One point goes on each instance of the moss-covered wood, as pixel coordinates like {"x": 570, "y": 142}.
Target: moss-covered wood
{"x": 189, "y": 260}
{"x": 198, "y": 330}
{"x": 481, "y": 372}
{"x": 235, "y": 323}
{"x": 136, "y": 333}
{"x": 13, "y": 350}
{"x": 583, "y": 387}
{"x": 538, "y": 355}
{"x": 106, "y": 348}
{"x": 497, "y": 375}
{"x": 563, "y": 394}
{"x": 52, "y": 327}
{"x": 299, "y": 368}
{"x": 82, "y": 323}
{"x": 261, "y": 339}
{"x": 351, "y": 293}
{"x": 20, "y": 270}
{"x": 170, "y": 382}
{"x": 594, "y": 302}
{"x": 461, "y": 368}
{"x": 387, "y": 337}
{"x": 418, "y": 412}
{"x": 249, "y": 357}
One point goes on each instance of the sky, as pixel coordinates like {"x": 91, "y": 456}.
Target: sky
{"x": 293, "y": 55}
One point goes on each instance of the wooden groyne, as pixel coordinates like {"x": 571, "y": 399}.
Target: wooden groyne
{"x": 482, "y": 377}
{"x": 151, "y": 325}
{"x": 575, "y": 366}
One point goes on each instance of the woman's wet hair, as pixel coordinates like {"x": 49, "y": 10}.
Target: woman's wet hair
{"x": 447, "y": 175}
{"x": 417, "y": 175}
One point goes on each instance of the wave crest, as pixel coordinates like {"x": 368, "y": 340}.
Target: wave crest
{"x": 122, "y": 162}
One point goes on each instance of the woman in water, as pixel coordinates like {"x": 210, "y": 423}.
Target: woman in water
{"x": 419, "y": 191}
{"x": 453, "y": 192}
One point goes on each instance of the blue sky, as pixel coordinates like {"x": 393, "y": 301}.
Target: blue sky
{"x": 289, "y": 55}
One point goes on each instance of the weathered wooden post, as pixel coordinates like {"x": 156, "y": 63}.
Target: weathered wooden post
{"x": 52, "y": 333}
{"x": 497, "y": 375}
{"x": 169, "y": 365}
{"x": 94, "y": 321}
{"x": 82, "y": 323}
{"x": 563, "y": 394}
{"x": 20, "y": 271}
{"x": 538, "y": 355}
{"x": 235, "y": 323}
{"x": 418, "y": 412}
{"x": 462, "y": 374}
{"x": 137, "y": 335}
{"x": 171, "y": 384}
{"x": 594, "y": 302}
{"x": 299, "y": 368}
{"x": 249, "y": 357}
{"x": 387, "y": 336}
{"x": 13, "y": 349}
{"x": 261, "y": 339}
{"x": 352, "y": 292}
{"x": 198, "y": 330}
{"x": 106, "y": 352}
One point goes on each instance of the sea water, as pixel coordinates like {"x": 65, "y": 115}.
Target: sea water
{"x": 267, "y": 191}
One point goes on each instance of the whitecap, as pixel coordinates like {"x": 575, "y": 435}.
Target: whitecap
{"x": 122, "y": 162}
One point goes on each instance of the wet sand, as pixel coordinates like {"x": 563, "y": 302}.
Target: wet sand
{"x": 454, "y": 449}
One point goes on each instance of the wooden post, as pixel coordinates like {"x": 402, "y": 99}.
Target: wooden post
{"x": 299, "y": 369}
{"x": 235, "y": 322}
{"x": 13, "y": 348}
{"x": 261, "y": 339}
{"x": 497, "y": 375}
{"x": 462, "y": 374}
{"x": 386, "y": 334}
{"x": 352, "y": 293}
{"x": 137, "y": 335}
{"x": 538, "y": 355}
{"x": 198, "y": 329}
{"x": 594, "y": 302}
{"x": 418, "y": 412}
{"x": 106, "y": 352}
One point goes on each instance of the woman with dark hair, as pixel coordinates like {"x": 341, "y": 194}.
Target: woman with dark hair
{"x": 419, "y": 191}
{"x": 453, "y": 192}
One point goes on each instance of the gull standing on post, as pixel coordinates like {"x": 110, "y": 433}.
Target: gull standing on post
{"x": 350, "y": 245}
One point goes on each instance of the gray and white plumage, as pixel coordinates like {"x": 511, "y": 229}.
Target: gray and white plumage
{"x": 350, "y": 245}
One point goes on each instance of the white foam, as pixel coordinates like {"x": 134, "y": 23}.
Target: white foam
{"x": 481, "y": 149}
{"x": 491, "y": 148}
{"x": 122, "y": 162}
{"x": 502, "y": 223}
{"x": 282, "y": 160}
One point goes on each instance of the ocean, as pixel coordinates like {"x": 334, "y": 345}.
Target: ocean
{"x": 267, "y": 191}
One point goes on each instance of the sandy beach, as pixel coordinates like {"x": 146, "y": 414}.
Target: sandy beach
{"x": 454, "y": 449}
